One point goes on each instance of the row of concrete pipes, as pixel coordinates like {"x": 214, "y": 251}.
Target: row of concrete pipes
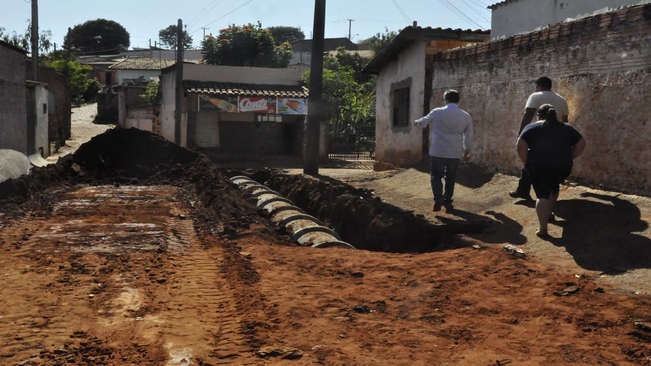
{"x": 304, "y": 229}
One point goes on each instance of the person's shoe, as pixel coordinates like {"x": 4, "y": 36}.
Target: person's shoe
{"x": 437, "y": 206}
{"x": 448, "y": 206}
{"x": 516, "y": 194}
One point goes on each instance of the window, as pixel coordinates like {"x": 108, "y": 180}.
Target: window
{"x": 401, "y": 107}
{"x": 268, "y": 118}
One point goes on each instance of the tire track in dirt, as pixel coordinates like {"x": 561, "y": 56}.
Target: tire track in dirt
{"x": 115, "y": 275}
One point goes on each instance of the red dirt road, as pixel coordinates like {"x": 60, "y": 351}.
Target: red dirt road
{"x": 137, "y": 252}
{"x": 120, "y": 276}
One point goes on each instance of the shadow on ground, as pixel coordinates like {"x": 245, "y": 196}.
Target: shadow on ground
{"x": 600, "y": 232}
{"x": 497, "y": 227}
{"x": 244, "y": 161}
{"x": 468, "y": 175}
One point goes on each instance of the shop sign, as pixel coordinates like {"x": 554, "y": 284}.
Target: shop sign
{"x": 257, "y": 104}
{"x": 292, "y": 106}
{"x": 226, "y": 103}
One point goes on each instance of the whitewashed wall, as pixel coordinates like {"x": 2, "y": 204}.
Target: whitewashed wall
{"x": 401, "y": 146}
{"x": 526, "y": 15}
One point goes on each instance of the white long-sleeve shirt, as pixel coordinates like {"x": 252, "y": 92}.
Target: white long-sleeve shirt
{"x": 450, "y": 131}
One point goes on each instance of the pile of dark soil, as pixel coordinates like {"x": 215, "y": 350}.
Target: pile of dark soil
{"x": 132, "y": 153}
{"x": 134, "y": 157}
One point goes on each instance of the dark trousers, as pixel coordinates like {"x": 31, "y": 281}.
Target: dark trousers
{"x": 443, "y": 168}
{"x": 524, "y": 184}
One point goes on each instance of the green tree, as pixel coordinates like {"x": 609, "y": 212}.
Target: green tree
{"x": 152, "y": 94}
{"x": 168, "y": 37}
{"x": 78, "y": 79}
{"x": 98, "y": 37}
{"x": 380, "y": 40}
{"x": 23, "y": 40}
{"x": 247, "y": 45}
{"x": 284, "y": 34}
{"x": 345, "y": 99}
{"x": 346, "y": 59}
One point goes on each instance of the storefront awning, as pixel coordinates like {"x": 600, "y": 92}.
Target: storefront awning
{"x": 212, "y": 87}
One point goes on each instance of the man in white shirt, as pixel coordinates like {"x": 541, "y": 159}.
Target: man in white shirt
{"x": 450, "y": 141}
{"x": 543, "y": 95}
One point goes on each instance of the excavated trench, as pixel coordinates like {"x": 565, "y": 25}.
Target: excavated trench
{"x": 326, "y": 213}
{"x": 354, "y": 215}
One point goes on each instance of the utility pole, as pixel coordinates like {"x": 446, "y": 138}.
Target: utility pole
{"x": 204, "y": 32}
{"x": 35, "y": 39}
{"x": 179, "y": 83}
{"x": 350, "y": 23}
{"x": 315, "y": 111}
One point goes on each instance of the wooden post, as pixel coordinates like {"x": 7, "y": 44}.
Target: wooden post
{"x": 35, "y": 39}
{"x": 315, "y": 111}
{"x": 178, "y": 115}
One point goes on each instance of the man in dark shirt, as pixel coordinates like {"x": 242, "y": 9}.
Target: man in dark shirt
{"x": 547, "y": 149}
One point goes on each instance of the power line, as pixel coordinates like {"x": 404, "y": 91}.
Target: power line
{"x": 227, "y": 14}
{"x": 404, "y": 15}
{"x": 206, "y": 12}
{"x": 199, "y": 13}
{"x": 459, "y": 13}
{"x": 473, "y": 9}
{"x": 479, "y": 4}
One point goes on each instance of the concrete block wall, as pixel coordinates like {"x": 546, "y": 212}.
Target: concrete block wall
{"x": 600, "y": 64}
{"x": 13, "y": 99}
{"x": 144, "y": 117}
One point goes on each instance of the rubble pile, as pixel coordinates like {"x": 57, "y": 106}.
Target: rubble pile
{"x": 135, "y": 157}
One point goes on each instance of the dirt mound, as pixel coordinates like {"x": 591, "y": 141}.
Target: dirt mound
{"x": 132, "y": 153}
{"x": 135, "y": 157}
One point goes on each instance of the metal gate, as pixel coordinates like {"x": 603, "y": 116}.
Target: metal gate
{"x": 352, "y": 142}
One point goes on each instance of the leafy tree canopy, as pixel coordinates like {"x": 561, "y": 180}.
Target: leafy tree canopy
{"x": 22, "y": 40}
{"x": 247, "y": 45}
{"x": 380, "y": 40}
{"x": 284, "y": 34}
{"x": 345, "y": 59}
{"x": 347, "y": 98}
{"x": 98, "y": 37}
{"x": 77, "y": 75}
{"x": 168, "y": 37}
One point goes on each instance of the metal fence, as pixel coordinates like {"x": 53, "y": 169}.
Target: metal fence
{"x": 355, "y": 143}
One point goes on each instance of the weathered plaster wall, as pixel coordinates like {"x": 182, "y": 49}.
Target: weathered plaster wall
{"x": 13, "y": 99}
{"x": 168, "y": 87}
{"x": 526, "y": 15}
{"x": 601, "y": 65}
{"x": 42, "y": 143}
{"x": 60, "y": 101}
{"x": 401, "y": 146}
{"x": 142, "y": 117}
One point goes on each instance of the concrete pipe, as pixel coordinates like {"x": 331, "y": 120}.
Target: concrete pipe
{"x": 304, "y": 229}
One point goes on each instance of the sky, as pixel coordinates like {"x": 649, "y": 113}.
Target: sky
{"x": 143, "y": 19}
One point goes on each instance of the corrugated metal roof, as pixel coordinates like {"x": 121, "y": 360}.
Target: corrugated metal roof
{"x": 146, "y": 63}
{"x": 213, "y": 87}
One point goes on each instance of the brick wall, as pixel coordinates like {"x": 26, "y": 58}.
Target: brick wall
{"x": 144, "y": 117}
{"x": 601, "y": 64}
{"x": 108, "y": 106}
